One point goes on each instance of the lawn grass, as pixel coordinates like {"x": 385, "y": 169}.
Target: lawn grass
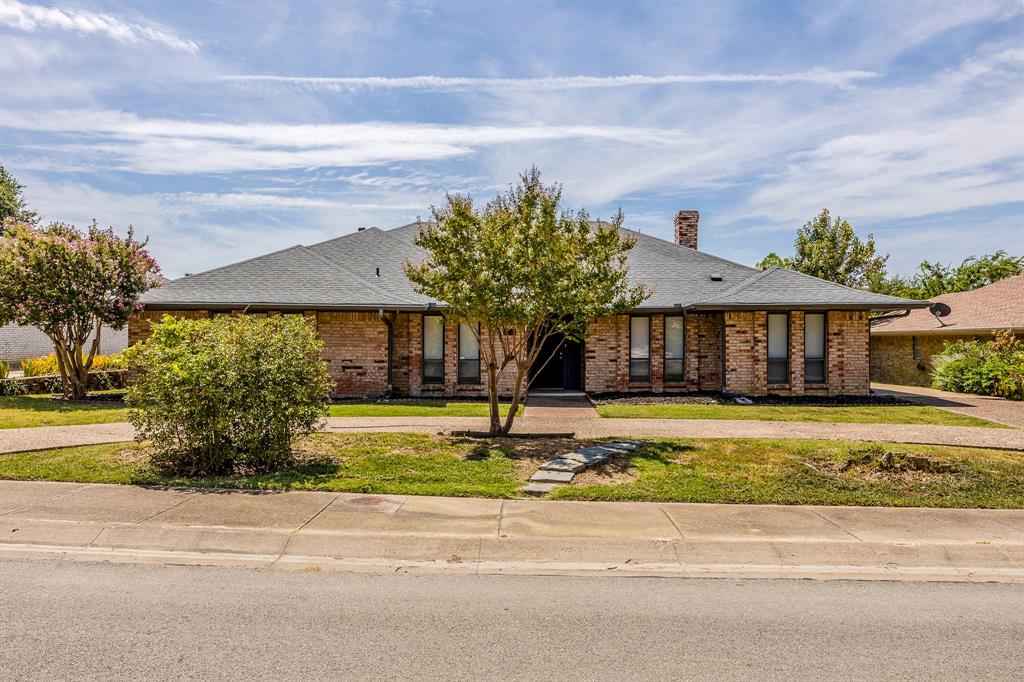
{"x": 772, "y": 471}
{"x": 382, "y": 463}
{"x": 41, "y": 410}
{"x": 753, "y": 471}
{"x": 866, "y": 414}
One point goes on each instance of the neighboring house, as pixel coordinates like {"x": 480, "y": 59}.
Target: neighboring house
{"x": 902, "y": 346}
{"x": 710, "y": 325}
{"x": 21, "y": 343}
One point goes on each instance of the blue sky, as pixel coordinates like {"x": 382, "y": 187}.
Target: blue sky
{"x": 228, "y": 129}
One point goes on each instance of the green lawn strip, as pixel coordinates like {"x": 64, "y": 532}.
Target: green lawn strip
{"x": 767, "y": 471}
{"x": 414, "y": 408}
{"x": 382, "y": 463}
{"x": 753, "y": 471}
{"x": 867, "y": 414}
{"x": 41, "y": 410}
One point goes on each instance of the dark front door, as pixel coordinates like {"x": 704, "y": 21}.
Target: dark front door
{"x": 558, "y": 364}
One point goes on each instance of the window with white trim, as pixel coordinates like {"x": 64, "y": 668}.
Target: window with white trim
{"x": 639, "y": 349}
{"x": 778, "y": 348}
{"x": 469, "y": 354}
{"x": 675, "y": 348}
{"x": 433, "y": 349}
{"x": 814, "y": 348}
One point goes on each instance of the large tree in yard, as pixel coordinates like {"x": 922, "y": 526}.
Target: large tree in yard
{"x": 524, "y": 270}
{"x": 830, "y": 249}
{"x": 69, "y": 284}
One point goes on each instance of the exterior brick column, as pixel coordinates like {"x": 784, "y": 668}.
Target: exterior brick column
{"x": 657, "y": 349}
{"x": 796, "y": 352}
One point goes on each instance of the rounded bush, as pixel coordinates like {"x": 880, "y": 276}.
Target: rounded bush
{"x": 228, "y": 393}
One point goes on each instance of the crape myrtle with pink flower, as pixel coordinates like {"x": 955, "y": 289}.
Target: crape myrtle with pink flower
{"x": 69, "y": 283}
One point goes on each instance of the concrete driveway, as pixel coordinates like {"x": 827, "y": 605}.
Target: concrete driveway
{"x": 1000, "y": 410}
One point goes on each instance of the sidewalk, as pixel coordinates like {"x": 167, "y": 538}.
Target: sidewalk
{"x": 330, "y": 531}
{"x": 44, "y": 437}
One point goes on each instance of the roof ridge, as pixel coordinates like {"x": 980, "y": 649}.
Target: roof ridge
{"x": 743, "y": 284}
{"x": 345, "y": 236}
{"x": 370, "y": 285}
{"x": 231, "y": 265}
{"x": 705, "y": 254}
{"x": 843, "y": 286}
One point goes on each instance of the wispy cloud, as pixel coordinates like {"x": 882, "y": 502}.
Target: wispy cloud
{"x": 557, "y": 83}
{"x": 26, "y": 17}
{"x": 254, "y": 201}
{"x": 152, "y": 145}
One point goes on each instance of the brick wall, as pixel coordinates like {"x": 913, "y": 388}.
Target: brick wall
{"x": 847, "y": 356}
{"x": 356, "y": 352}
{"x": 848, "y": 353}
{"x": 893, "y": 362}
{"x": 606, "y": 355}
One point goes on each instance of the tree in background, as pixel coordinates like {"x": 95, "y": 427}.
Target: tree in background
{"x": 935, "y": 279}
{"x": 830, "y": 249}
{"x": 69, "y": 284}
{"x": 524, "y": 271}
{"x": 12, "y": 204}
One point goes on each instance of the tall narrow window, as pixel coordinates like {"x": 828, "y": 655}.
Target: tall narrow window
{"x": 778, "y": 348}
{"x": 639, "y": 349}
{"x": 814, "y": 348}
{"x": 433, "y": 349}
{"x": 469, "y": 355}
{"x": 674, "y": 348}
{"x": 915, "y": 342}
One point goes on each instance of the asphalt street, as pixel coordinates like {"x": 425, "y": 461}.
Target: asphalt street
{"x": 64, "y": 620}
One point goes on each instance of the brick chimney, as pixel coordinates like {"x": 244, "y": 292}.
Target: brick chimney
{"x": 686, "y": 228}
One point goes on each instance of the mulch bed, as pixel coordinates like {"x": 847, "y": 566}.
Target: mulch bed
{"x": 719, "y": 399}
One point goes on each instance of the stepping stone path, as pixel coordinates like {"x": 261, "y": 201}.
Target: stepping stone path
{"x": 563, "y": 468}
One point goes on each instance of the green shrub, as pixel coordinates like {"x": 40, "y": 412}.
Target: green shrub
{"x": 995, "y": 367}
{"x": 228, "y": 393}
{"x": 5, "y": 369}
{"x": 11, "y": 387}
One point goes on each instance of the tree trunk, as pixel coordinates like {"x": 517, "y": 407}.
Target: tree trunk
{"x": 517, "y": 394}
{"x": 492, "y": 399}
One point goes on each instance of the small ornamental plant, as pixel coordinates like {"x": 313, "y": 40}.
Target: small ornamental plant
{"x": 227, "y": 394}
{"x": 69, "y": 284}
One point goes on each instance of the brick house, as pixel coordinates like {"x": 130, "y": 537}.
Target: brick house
{"x": 902, "y": 346}
{"x": 710, "y": 325}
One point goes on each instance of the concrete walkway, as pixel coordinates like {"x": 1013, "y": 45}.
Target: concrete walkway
{"x": 300, "y": 530}
{"x": 44, "y": 437}
{"x": 1000, "y": 410}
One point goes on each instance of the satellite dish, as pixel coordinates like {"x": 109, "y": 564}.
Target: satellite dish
{"x": 939, "y": 310}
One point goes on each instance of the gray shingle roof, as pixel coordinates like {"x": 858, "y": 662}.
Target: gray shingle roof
{"x": 293, "y": 277}
{"x": 779, "y": 287}
{"x": 365, "y": 270}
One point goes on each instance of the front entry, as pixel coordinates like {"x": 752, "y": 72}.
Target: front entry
{"x": 563, "y": 369}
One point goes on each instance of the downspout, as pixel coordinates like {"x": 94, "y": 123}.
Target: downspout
{"x": 391, "y": 343}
